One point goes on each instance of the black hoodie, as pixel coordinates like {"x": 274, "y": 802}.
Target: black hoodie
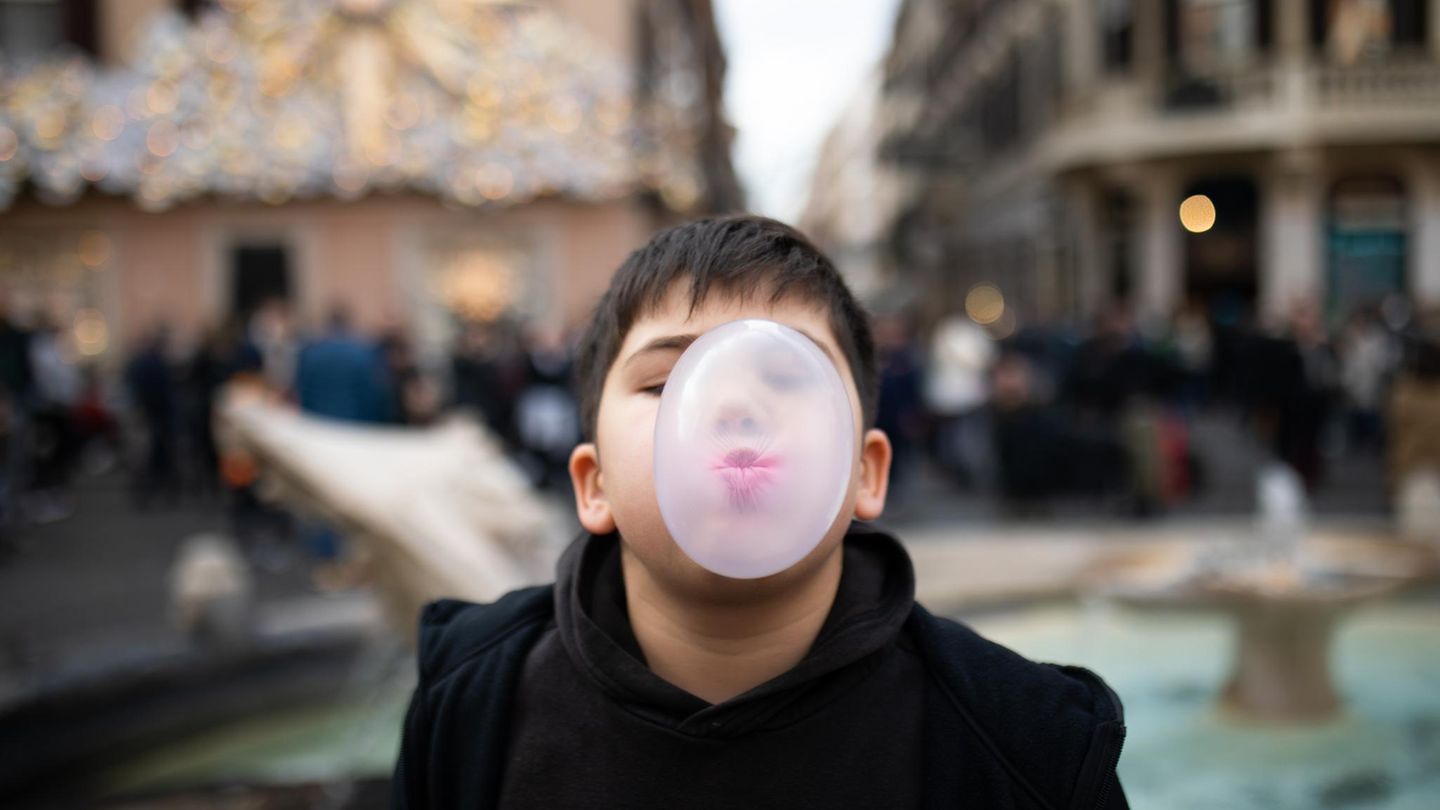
{"x": 593, "y": 726}
{"x": 543, "y": 700}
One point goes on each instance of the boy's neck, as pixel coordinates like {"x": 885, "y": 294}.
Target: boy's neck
{"x": 718, "y": 651}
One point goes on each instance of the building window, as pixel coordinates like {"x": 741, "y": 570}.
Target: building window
{"x": 1000, "y": 124}
{"x": 57, "y": 274}
{"x": 1117, "y": 28}
{"x": 1217, "y": 35}
{"x": 1351, "y": 31}
{"x": 193, "y": 8}
{"x": 32, "y": 30}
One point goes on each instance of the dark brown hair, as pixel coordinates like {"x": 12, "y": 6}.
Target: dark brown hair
{"x": 742, "y": 256}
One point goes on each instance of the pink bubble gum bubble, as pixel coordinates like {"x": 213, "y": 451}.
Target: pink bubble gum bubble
{"x": 754, "y": 448}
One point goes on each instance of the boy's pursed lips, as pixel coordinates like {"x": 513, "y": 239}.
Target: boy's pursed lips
{"x": 746, "y": 472}
{"x": 747, "y": 458}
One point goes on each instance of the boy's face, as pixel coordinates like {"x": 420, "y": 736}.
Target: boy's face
{"x": 614, "y": 478}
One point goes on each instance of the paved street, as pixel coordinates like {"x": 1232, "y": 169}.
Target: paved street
{"x": 91, "y": 590}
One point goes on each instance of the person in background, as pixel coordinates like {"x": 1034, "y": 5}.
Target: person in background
{"x": 1194, "y": 347}
{"x": 1367, "y": 358}
{"x": 1111, "y": 446}
{"x": 546, "y": 415}
{"x": 271, "y": 330}
{"x": 413, "y": 399}
{"x": 341, "y": 376}
{"x": 1108, "y": 371}
{"x": 151, "y": 385}
{"x": 213, "y": 363}
{"x": 1027, "y": 435}
{"x": 1308, "y": 400}
{"x": 481, "y": 380}
{"x": 264, "y": 532}
{"x": 16, "y": 381}
{"x": 956, "y": 388}
{"x": 901, "y": 411}
{"x": 1413, "y": 440}
{"x": 56, "y": 392}
{"x": 98, "y": 438}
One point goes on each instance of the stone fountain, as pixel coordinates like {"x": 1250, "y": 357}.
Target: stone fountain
{"x": 435, "y": 512}
{"x": 1284, "y": 591}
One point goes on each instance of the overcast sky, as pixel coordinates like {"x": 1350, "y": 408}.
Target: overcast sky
{"x": 793, "y": 65}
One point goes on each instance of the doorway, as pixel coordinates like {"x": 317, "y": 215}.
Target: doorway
{"x": 259, "y": 274}
{"x": 1221, "y": 261}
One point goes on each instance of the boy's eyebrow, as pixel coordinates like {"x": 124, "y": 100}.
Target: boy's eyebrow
{"x": 670, "y": 343}
{"x": 667, "y": 343}
{"x": 821, "y": 346}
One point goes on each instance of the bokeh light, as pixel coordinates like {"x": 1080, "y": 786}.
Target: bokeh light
{"x": 985, "y": 304}
{"x": 9, "y": 143}
{"x": 1197, "y": 213}
{"x": 92, "y": 336}
{"x": 94, "y": 249}
{"x": 163, "y": 139}
{"x": 108, "y": 122}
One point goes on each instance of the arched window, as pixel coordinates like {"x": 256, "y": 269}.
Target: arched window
{"x": 1219, "y": 35}
{"x": 1352, "y": 30}
{"x": 1117, "y": 28}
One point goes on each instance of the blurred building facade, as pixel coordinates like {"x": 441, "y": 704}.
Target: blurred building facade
{"x": 418, "y": 162}
{"x": 1046, "y": 146}
{"x": 853, "y": 195}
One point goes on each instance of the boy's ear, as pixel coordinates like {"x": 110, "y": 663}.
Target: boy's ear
{"x": 591, "y": 505}
{"x": 875, "y": 454}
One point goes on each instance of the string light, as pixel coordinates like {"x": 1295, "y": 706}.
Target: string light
{"x": 108, "y": 122}
{"x": 525, "y": 97}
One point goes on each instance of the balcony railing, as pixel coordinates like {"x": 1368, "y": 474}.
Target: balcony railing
{"x": 1401, "y": 80}
{"x": 1240, "y": 88}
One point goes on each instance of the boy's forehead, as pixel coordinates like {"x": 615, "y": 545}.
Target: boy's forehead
{"x": 674, "y": 316}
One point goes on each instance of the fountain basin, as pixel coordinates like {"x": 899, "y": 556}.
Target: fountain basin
{"x": 1381, "y": 751}
{"x": 1284, "y": 611}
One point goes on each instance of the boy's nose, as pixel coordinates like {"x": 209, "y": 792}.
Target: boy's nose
{"x": 738, "y": 420}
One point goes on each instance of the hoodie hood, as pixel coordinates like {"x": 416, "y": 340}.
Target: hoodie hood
{"x": 875, "y": 596}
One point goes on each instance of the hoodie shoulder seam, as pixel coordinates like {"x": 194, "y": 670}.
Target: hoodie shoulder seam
{"x": 493, "y": 640}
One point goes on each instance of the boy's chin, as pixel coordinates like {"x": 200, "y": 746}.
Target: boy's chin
{"x": 674, "y": 570}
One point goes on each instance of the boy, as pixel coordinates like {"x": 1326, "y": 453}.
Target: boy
{"x": 640, "y": 679}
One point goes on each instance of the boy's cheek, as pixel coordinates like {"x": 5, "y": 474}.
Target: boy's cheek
{"x": 627, "y": 452}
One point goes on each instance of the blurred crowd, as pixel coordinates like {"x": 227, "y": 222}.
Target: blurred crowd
{"x": 1105, "y": 411}
{"x": 1109, "y": 410}
{"x": 152, "y": 418}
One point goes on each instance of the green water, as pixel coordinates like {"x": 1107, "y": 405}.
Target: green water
{"x": 1384, "y": 752}
{"x": 353, "y": 739}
